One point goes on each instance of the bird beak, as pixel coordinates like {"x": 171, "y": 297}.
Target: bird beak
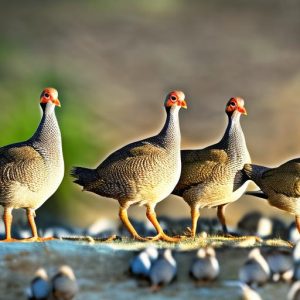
{"x": 242, "y": 110}
{"x": 182, "y": 104}
{"x": 56, "y": 102}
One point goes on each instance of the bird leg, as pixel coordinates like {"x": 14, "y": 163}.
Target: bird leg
{"x": 124, "y": 218}
{"x": 221, "y": 217}
{"x": 297, "y": 220}
{"x": 35, "y": 237}
{"x": 151, "y": 215}
{"x": 31, "y": 216}
{"x": 195, "y": 214}
{"x": 7, "y": 218}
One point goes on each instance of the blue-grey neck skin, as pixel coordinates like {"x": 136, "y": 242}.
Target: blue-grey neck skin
{"x": 170, "y": 133}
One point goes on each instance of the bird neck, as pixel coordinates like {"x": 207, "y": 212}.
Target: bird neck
{"x": 48, "y": 130}
{"x": 233, "y": 140}
{"x": 170, "y": 133}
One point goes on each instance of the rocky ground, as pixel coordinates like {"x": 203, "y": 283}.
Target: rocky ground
{"x": 102, "y": 268}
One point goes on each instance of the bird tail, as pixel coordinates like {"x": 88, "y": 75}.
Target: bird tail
{"x": 259, "y": 194}
{"x": 254, "y": 172}
{"x": 84, "y": 176}
{"x": 248, "y": 171}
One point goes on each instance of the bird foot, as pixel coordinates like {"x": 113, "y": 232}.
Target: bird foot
{"x": 231, "y": 235}
{"x": 37, "y": 239}
{"x": 9, "y": 240}
{"x": 163, "y": 237}
{"x": 189, "y": 233}
{"x": 110, "y": 238}
{"x": 139, "y": 238}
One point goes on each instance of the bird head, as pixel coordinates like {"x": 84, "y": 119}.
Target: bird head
{"x": 50, "y": 95}
{"x": 201, "y": 253}
{"x": 236, "y": 104}
{"x": 67, "y": 271}
{"x": 210, "y": 251}
{"x": 175, "y": 98}
{"x": 41, "y": 273}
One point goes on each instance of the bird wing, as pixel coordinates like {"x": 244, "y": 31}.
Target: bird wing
{"x": 22, "y": 164}
{"x": 135, "y": 155}
{"x": 285, "y": 179}
{"x": 200, "y": 166}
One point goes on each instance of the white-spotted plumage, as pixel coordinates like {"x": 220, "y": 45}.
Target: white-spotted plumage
{"x": 144, "y": 172}
{"x": 211, "y": 177}
{"x": 280, "y": 185}
{"x": 31, "y": 171}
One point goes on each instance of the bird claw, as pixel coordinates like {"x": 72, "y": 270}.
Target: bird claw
{"x": 230, "y": 235}
{"x": 10, "y": 240}
{"x": 139, "y": 238}
{"x": 164, "y": 237}
{"x": 189, "y": 233}
{"x": 37, "y": 239}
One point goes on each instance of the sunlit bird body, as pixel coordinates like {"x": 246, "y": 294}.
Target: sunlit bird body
{"x": 31, "y": 171}
{"x": 143, "y": 172}
{"x": 280, "y": 186}
{"x": 209, "y": 176}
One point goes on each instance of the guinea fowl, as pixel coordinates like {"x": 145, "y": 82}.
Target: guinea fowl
{"x": 206, "y": 266}
{"x": 143, "y": 172}
{"x": 163, "y": 271}
{"x": 280, "y": 186}
{"x": 40, "y": 287}
{"x": 255, "y": 270}
{"x": 31, "y": 171}
{"x": 209, "y": 176}
{"x": 64, "y": 284}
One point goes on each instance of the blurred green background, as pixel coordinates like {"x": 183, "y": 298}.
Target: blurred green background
{"x": 113, "y": 62}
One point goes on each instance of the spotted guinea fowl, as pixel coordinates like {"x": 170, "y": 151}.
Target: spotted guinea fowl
{"x": 280, "y": 186}
{"x": 31, "y": 171}
{"x": 208, "y": 177}
{"x": 143, "y": 172}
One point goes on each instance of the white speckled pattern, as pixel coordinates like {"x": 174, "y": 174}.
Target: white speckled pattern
{"x": 31, "y": 171}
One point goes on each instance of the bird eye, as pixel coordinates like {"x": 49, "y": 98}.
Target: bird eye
{"x": 46, "y": 95}
{"x": 173, "y": 98}
{"x": 232, "y": 104}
